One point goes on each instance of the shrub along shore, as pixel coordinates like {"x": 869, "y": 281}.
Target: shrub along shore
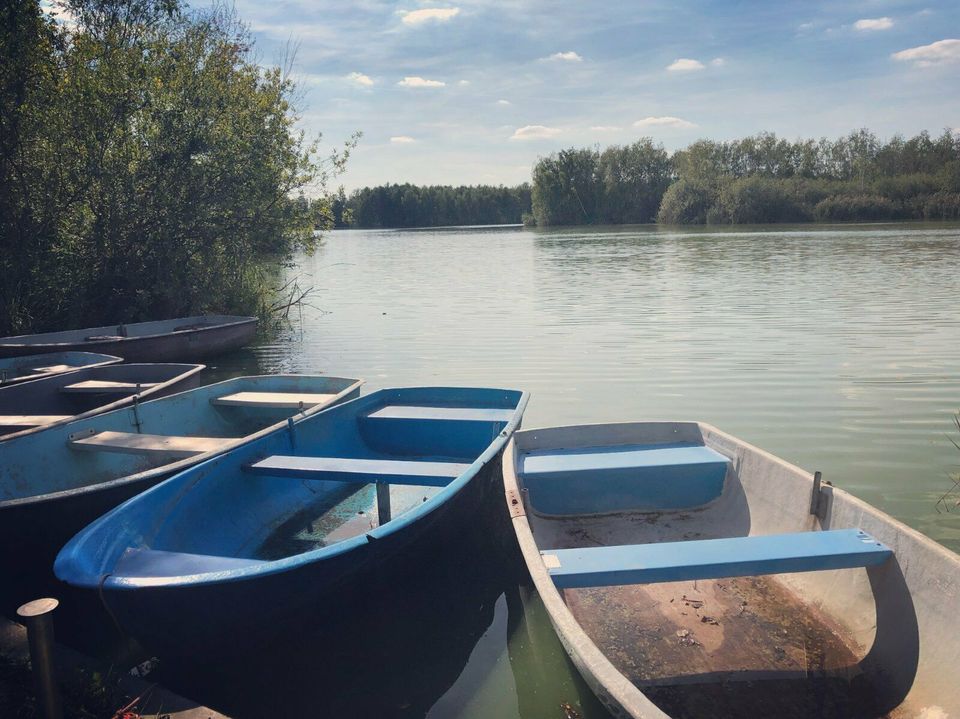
{"x": 758, "y": 179}
{"x": 149, "y": 164}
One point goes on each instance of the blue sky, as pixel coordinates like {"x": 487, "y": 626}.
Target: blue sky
{"x": 472, "y": 91}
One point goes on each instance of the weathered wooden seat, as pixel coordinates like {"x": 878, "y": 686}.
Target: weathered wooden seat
{"x": 52, "y": 368}
{"x": 713, "y": 558}
{"x": 97, "y": 386}
{"x": 30, "y": 420}
{"x": 273, "y": 400}
{"x": 149, "y": 444}
{"x": 380, "y": 471}
{"x": 156, "y": 563}
{"x": 456, "y": 414}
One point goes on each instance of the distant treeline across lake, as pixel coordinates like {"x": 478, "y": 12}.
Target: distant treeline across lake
{"x": 758, "y": 179}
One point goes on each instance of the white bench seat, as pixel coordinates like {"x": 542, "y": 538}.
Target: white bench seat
{"x": 379, "y": 471}
{"x": 150, "y": 444}
{"x": 455, "y": 414}
{"x": 97, "y": 386}
{"x": 273, "y": 400}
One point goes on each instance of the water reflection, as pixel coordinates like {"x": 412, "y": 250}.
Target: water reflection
{"x": 835, "y": 348}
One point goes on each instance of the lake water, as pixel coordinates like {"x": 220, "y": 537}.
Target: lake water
{"x": 836, "y": 348}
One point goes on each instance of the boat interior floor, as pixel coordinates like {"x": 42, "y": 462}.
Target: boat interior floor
{"x": 732, "y": 647}
{"x": 348, "y": 513}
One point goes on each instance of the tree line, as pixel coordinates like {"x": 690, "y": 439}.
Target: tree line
{"x": 429, "y": 206}
{"x": 758, "y": 179}
{"x": 148, "y": 164}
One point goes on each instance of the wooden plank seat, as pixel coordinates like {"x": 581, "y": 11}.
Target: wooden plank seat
{"x": 149, "y": 444}
{"x": 30, "y": 420}
{"x": 379, "y": 471}
{"x": 135, "y": 562}
{"x": 52, "y": 368}
{"x": 713, "y": 558}
{"x": 100, "y": 386}
{"x": 455, "y": 414}
{"x": 273, "y": 400}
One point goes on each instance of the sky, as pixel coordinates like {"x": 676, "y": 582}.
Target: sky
{"x": 474, "y": 91}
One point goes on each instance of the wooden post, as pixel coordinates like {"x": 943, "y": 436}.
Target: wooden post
{"x": 383, "y": 503}
{"x": 38, "y": 616}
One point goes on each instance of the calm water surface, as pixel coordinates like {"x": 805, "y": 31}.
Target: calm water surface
{"x": 835, "y": 348}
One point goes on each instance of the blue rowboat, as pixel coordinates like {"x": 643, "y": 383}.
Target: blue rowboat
{"x": 55, "y": 482}
{"x": 252, "y": 539}
{"x": 184, "y": 338}
{"x": 36, "y": 406}
{"x": 14, "y": 370}
{"x": 688, "y": 573}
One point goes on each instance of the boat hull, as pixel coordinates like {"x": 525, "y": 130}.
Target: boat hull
{"x": 14, "y": 370}
{"x": 161, "y": 345}
{"x": 878, "y": 631}
{"x": 244, "y": 544}
{"x": 50, "y": 490}
{"x": 259, "y": 611}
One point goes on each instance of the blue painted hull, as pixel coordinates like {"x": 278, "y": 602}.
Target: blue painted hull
{"x": 50, "y": 490}
{"x": 246, "y": 594}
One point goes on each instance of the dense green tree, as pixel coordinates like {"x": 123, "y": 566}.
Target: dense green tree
{"x": 148, "y": 164}
{"x": 432, "y": 206}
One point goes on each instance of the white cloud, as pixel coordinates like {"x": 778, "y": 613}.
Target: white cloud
{"x": 568, "y": 56}
{"x": 58, "y": 11}
{"x": 503, "y": 102}
{"x": 401, "y": 140}
{"x": 936, "y": 53}
{"x": 873, "y": 23}
{"x": 685, "y": 64}
{"x": 360, "y": 79}
{"x": 804, "y": 26}
{"x": 429, "y": 14}
{"x": 665, "y": 121}
{"x": 604, "y": 128}
{"x": 463, "y": 83}
{"x": 415, "y": 81}
{"x": 535, "y": 132}
{"x": 718, "y": 62}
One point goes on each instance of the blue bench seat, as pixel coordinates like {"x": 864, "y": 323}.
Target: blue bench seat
{"x": 713, "y": 558}
{"x": 380, "y": 471}
{"x": 622, "y": 478}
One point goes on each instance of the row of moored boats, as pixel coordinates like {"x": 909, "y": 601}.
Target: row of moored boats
{"x": 687, "y": 573}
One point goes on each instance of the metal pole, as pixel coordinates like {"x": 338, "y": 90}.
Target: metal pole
{"x": 38, "y": 618}
{"x": 383, "y": 503}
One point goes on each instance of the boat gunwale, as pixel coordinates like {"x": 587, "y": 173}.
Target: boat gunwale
{"x": 186, "y": 462}
{"x": 238, "y": 320}
{"x": 610, "y": 685}
{"x": 277, "y": 566}
{"x": 109, "y": 407}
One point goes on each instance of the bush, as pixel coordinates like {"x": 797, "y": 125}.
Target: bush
{"x": 855, "y": 208}
{"x": 757, "y": 200}
{"x": 943, "y": 206}
{"x": 686, "y": 202}
{"x": 148, "y": 165}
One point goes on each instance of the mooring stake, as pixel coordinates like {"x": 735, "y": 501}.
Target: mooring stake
{"x": 38, "y": 618}
{"x": 293, "y": 434}
{"x": 383, "y": 503}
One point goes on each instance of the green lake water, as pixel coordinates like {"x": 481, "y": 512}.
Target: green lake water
{"x": 836, "y": 348}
